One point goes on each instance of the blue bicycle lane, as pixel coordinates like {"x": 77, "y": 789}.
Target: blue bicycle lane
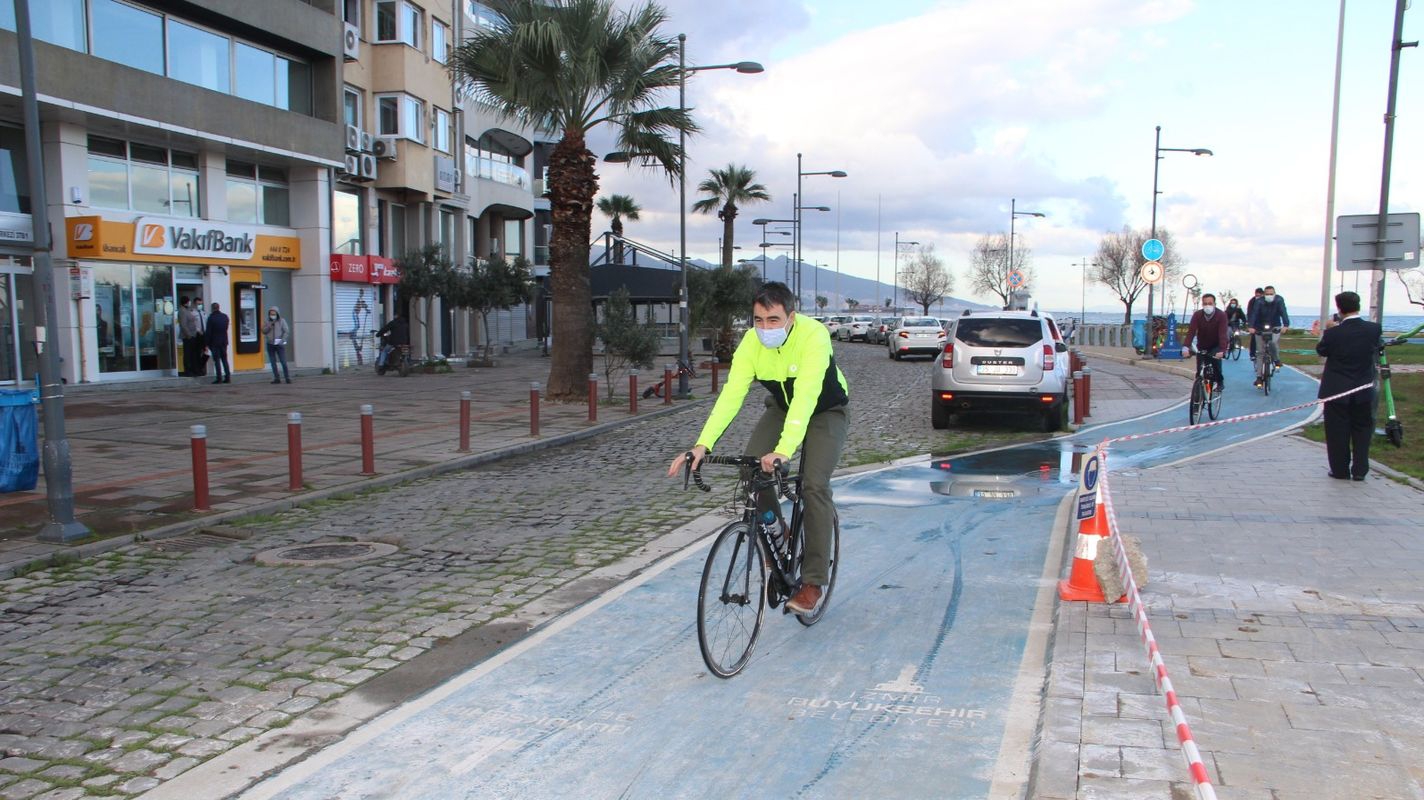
{"x": 903, "y": 690}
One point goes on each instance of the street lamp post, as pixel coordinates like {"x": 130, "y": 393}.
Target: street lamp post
{"x": 834, "y": 173}
{"x": 895, "y": 299}
{"x": 1014, "y": 214}
{"x": 762, "y": 223}
{"x": 1156, "y": 163}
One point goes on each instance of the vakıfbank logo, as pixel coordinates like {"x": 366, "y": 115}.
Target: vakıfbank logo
{"x": 164, "y": 238}
{"x": 152, "y": 236}
{"x": 84, "y": 232}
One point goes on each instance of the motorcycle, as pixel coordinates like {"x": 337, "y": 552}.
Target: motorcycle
{"x": 392, "y": 357}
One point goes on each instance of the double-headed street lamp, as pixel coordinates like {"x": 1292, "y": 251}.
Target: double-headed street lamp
{"x": 1014, "y": 214}
{"x": 746, "y": 68}
{"x": 800, "y": 173}
{"x": 762, "y": 223}
{"x": 1157, "y": 162}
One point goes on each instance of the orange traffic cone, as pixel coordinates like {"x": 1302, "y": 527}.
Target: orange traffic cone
{"x": 1082, "y": 582}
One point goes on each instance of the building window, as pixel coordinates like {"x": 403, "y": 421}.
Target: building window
{"x": 58, "y": 22}
{"x": 401, "y": 115}
{"x": 439, "y": 41}
{"x": 388, "y": 115}
{"x": 513, "y": 238}
{"x": 443, "y": 130}
{"x": 351, "y": 12}
{"x": 398, "y": 21}
{"x": 257, "y": 194}
{"x": 447, "y": 231}
{"x": 132, "y": 36}
{"x": 294, "y": 86}
{"x": 410, "y": 24}
{"x": 140, "y": 177}
{"x": 14, "y": 175}
{"x": 256, "y": 75}
{"x": 397, "y": 231}
{"x": 346, "y": 227}
{"x": 198, "y": 57}
{"x": 351, "y": 106}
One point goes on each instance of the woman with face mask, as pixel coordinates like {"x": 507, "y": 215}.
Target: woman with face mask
{"x": 790, "y": 354}
{"x": 277, "y": 332}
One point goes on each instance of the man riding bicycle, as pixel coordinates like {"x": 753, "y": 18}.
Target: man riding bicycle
{"x": 809, "y": 414}
{"x": 1212, "y": 335}
{"x": 1268, "y": 320}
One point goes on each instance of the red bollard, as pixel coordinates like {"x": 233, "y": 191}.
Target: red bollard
{"x": 464, "y": 422}
{"x": 592, "y": 397}
{"x": 715, "y": 365}
{"x": 1087, "y": 392}
{"x": 534, "y": 408}
{"x": 199, "y": 434}
{"x": 1078, "y": 397}
{"x": 368, "y": 440}
{"x": 294, "y": 451}
{"x": 667, "y": 385}
{"x": 633, "y": 391}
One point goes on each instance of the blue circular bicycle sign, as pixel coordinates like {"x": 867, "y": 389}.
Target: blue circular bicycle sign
{"x": 1153, "y": 249}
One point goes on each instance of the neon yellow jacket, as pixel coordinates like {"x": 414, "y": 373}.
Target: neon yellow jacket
{"x": 807, "y": 352}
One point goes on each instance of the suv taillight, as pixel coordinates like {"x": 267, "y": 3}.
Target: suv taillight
{"x": 1048, "y": 357}
{"x": 949, "y": 355}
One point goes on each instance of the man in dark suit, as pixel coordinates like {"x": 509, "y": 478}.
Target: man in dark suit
{"x": 216, "y": 338}
{"x": 1351, "y": 349}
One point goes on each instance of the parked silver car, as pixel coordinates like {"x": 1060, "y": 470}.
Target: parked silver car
{"x": 857, "y": 327}
{"x": 882, "y": 329}
{"x": 833, "y": 324}
{"x": 915, "y": 336}
{"x": 1012, "y": 361}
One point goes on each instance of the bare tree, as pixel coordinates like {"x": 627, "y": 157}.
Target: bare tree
{"x": 1413, "y": 282}
{"x": 1118, "y": 264}
{"x": 989, "y": 267}
{"x": 925, "y": 278}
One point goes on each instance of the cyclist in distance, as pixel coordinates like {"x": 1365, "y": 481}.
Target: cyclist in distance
{"x": 790, "y": 354}
{"x": 1211, "y": 334}
{"x": 1235, "y": 317}
{"x": 1269, "y": 313}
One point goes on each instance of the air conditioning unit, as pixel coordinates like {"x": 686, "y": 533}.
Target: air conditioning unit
{"x": 365, "y": 142}
{"x": 353, "y": 139}
{"x": 351, "y": 42}
{"x": 384, "y": 146}
{"x": 368, "y": 166}
{"x": 352, "y": 165}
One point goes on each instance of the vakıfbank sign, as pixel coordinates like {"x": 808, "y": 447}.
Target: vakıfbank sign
{"x": 183, "y": 241}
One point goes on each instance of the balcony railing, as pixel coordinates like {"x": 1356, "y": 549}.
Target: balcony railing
{"x": 498, "y": 171}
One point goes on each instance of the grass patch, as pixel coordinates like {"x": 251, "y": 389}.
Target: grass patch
{"x": 1409, "y": 406}
{"x": 856, "y": 459}
{"x": 1403, "y": 354}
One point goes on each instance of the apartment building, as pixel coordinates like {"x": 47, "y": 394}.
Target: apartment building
{"x": 188, "y": 149}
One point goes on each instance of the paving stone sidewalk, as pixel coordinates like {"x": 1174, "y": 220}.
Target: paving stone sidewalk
{"x": 1290, "y": 613}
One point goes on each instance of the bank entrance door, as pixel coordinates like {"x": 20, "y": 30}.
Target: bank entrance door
{"x": 17, "y": 354}
{"x": 188, "y": 282}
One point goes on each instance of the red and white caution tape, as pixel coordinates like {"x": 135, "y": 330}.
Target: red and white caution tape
{"x": 1190, "y": 753}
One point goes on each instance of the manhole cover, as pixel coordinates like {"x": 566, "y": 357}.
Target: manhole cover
{"x": 325, "y": 553}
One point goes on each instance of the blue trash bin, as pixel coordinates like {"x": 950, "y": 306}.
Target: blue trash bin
{"x": 19, "y": 441}
{"x": 1139, "y": 334}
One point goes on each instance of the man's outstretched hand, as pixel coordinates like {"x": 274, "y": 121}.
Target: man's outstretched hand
{"x": 698, "y": 453}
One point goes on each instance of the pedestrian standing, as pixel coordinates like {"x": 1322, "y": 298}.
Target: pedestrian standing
{"x": 191, "y": 331}
{"x": 217, "y": 344}
{"x": 1350, "y": 349}
{"x": 277, "y": 332}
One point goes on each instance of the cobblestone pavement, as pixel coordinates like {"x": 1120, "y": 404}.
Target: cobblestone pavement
{"x": 120, "y": 672}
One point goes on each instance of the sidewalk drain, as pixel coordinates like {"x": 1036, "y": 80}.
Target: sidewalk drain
{"x": 323, "y": 553}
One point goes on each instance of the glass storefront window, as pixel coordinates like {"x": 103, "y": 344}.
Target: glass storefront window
{"x": 17, "y": 361}
{"x": 346, "y": 223}
{"x": 14, "y": 171}
{"x": 255, "y": 76}
{"x": 142, "y": 177}
{"x": 132, "y": 36}
{"x": 198, "y": 57}
{"x": 134, "y": 312}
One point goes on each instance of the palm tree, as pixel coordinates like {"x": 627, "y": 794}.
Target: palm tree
{"x": 569, "y": 66}
{"x": 729, "y": 188}
{"x": 618, "y": 207}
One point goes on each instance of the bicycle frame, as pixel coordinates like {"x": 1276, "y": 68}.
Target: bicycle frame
{"x": 751, "y": 486}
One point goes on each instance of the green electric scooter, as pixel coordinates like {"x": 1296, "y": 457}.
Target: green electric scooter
{"x": 1393, "y": 428}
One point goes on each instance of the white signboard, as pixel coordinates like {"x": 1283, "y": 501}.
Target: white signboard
{"x": 16, "y": 229}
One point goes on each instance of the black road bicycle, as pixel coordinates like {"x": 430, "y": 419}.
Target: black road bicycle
{"x": 1206, "y": 390}
{"x": 753, "y": 565}
{"x": 1236, "y": 348}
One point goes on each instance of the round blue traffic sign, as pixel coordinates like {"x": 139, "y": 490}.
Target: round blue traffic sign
{"x": 1153, "y": 250}
{"x": 1016, "y": 279}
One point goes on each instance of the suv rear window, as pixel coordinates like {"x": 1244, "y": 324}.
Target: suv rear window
{"x": 999, "y": 332}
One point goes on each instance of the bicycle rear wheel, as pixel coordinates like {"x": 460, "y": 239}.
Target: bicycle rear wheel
{"x": 1194, "y": 408}
{"x": 1213, "y": 401}
{"x": 815, "y": 616}
{"x": 1266, "y": 380}
{"x": 732, "y": 600}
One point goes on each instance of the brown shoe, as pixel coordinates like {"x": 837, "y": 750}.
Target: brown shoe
{"x": 805, "y": 599}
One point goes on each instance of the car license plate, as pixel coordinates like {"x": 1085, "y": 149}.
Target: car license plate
{"x": 996, "y": 369}
{"x": 996, "y": 494}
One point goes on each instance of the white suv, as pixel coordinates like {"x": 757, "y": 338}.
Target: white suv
{"x": 859, "y": 327}
{"x": 1002, "y": 361}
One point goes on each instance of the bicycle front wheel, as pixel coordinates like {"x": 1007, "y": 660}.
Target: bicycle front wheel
{"x": 732, "y": 600}
{"x": 1194, "y": 408}
{"x": 1213, "y": 402}
{"x": 815, "y": 616}
{"x": 1266, "y": 381}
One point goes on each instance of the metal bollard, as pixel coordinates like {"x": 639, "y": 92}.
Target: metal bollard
{"x": 533, "y": 408}
{"x": 199, "y": 438}
{"x": 715, "y": 365}
{"x": 632, "y": 391}
{"x": 1078, "y": 397}
{"x": 464, "y": 422}
{"x": 368, "y": 439}
{"x": 592, "y": 397}
{"x": 1087, "y": 392}
{"x": 667, "y": 385}
{"x": 294, "y": 451}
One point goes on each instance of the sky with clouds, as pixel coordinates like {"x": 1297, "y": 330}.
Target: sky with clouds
{"x": 942, "y": 111}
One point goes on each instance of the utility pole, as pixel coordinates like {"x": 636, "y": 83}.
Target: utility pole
{"x": 58, "y": 471}
{"x": 1396, "y": 44}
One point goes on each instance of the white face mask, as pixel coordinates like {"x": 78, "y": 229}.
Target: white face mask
{"x": 772, "y": 338}
{"x": 1208, "y": 310}
{"x": 1270, "y": 298}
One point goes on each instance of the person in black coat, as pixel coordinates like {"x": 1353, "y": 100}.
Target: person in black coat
{"x": 216, "y": 338}
{"x": 1351, "y": 349}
